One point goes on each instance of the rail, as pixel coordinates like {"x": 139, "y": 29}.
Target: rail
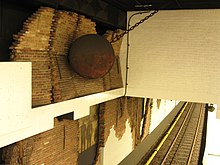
{"x": 181, "y": 146}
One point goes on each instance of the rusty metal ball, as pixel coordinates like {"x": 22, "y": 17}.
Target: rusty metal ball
{"x": 91, "y": 56}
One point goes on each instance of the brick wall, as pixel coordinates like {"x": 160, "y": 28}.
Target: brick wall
{"x": 117, "y": 112}
{"x": 113, "y": 79}
{"x": 146, "y": 118}
{"x": 114, "y": 114}
{"x": 56, "y": 146}
{"x": 68, "y": 139}
{"x": 60, "y": 145}
{"x": 64, "y": 26}
{"x": 18, "y": 153}
{"x": 32, "y": 44}
{"x": 67, "y": 83}
{"x": 45, "y": 40}
{"x": 68, "y": 27}
{"x": 135, "y": 109}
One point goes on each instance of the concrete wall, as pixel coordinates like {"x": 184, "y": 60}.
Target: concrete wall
{"x": 176, "y": 55}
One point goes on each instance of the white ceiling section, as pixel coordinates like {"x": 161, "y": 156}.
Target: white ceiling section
{"x": 176, "y": 55}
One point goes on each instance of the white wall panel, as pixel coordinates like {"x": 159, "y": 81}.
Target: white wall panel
{"x": 15, "y": 96}
{"x": 176, "y": 55}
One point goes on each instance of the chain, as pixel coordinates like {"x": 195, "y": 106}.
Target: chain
{"x": 118, "y": 37}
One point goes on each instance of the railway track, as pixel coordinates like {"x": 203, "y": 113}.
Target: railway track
{"x": 182, "y": 146}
